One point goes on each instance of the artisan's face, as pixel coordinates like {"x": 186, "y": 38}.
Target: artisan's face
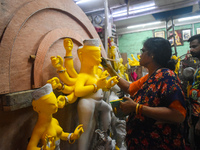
{"x": 195, "y": 48}
{"x": 144, "y": 57}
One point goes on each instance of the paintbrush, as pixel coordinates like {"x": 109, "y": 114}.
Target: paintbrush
{"x": 108, "y": 59}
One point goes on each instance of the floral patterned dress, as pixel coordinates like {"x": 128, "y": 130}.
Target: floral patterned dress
{"x": 195, "y": 94}
{"x": 160, "y": 90}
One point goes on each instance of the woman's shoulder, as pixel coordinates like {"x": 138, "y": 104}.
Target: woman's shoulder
{"x": 167, "y": 72}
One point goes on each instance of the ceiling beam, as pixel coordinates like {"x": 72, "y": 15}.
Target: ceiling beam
{"x": 163, "y": 8}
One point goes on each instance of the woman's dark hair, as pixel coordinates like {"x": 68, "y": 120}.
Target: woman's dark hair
{"x": 161, "y": 50}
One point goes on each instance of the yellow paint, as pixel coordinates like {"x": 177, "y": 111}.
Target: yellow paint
{"x": 133, "y": 62}
{"x": 177, "y": 66}
{"x": 47, "y": 128}
{"x": 122, "y": 70}
{"x": 90, "y": 74}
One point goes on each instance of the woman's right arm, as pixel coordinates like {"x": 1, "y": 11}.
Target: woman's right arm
{"x": 123, "y": 84}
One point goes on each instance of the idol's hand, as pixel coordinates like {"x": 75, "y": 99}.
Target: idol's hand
{"x": 101, "y": 83}
{"x": 105, "y": 74}
{"x": 55, "y": 82}
{"x": 111, "y": 82}
{"x": 57, "y": 62}
{"x": 77, "y": 132}
{"x": 61, "y": 101}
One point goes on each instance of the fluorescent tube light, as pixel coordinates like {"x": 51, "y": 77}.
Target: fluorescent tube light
{"x": 134, "y": 10}
{"x": 82, "y": 1}
{"x": 141, "y": 10}
{"x": 143, "y": 25}
{"x": 92, "y": 11}
{"x": 189, "y": 18}
{"x": 124, "y": 13}
{"x": 121, "y": 14}
{"x": 143, "y": 6}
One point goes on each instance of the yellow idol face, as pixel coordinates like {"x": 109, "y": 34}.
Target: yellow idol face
{"x": 68, "y": 44}
{"x": 47, "y": 104}
{"x": 95, "y": 57}
{"x": 90, "y": 55}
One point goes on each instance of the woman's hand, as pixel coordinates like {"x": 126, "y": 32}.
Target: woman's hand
{"x": 104, "y": 63}
{"x": 128, "y": 105}
{"x": 107, "y": 66}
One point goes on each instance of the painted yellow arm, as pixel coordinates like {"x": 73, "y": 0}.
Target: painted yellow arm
{"x": 134, "y": 62}
{"x": 73, "y": 136}
{"x": 81, "y": 89}
{"x": 64, "y": 77}
{"x": 57, "y": 62}
{"x": 127, "y": 77}
{"x": 55, "y": 82}
{"x": 69, "y": 64}
{"x": 67, "y": 89}
{"x": 64, "y": 100}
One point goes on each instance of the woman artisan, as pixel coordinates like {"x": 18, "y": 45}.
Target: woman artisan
{"x": 156, "y": 107}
